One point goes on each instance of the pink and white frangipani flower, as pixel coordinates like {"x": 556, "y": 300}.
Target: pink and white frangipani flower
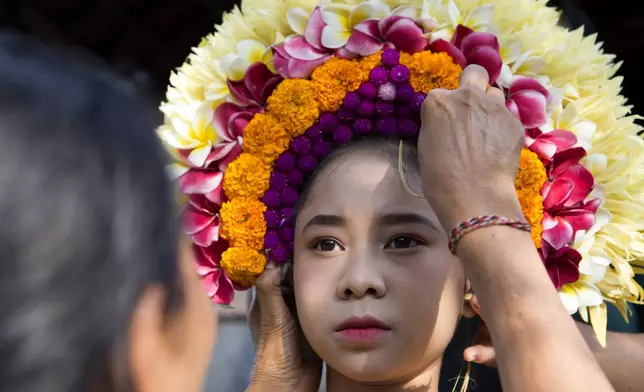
{"x": 256, "y": 86}
{"x": 547, "y": 144}
{"x": 229, "y": 122}
{"x": 213, "y": 278}
{"x": 562, "y": 265}
{"x": 336, "y": 30}
{"x": 201, "y": 221}
{"x": 566, "y": 203}
{"x": 301, "y": 53}
{"x": 528, "y": 101}
{"x": 192, "y": 134}
{"x": 468, "y": 47}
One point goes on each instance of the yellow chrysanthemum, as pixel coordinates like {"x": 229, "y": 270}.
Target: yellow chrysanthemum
{"x": 529, "y": 182}
{"x": 333, "y": 80}
{"x": 294, "y": 104}
{"x": 242, "y": 223}
{"x": 431, "y": 70}
{"x": 243, "y": 265}
{"x": 265, "y": 138}
{"x": 246, "y": 176}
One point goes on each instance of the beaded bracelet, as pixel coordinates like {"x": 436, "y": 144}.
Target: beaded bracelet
{"x": 470, "y": 225}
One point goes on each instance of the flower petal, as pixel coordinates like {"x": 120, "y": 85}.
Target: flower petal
{"x": 565, "y": 159}
{"x": 233, "y": 66}
{"x": 585, "y": 131}
{"x": 176, "y": 170}
{"x": 453, "y": 13}
{"x": 200, "y": 182}
{"x": 569, "y": 299}
{"x": 459, "y": 35}
{"x": 363, "y": 44}
{"x": 221, "y": 119}
{"x": 490, "y": 59}
{"x": 589, "y": 295}
{"x": 297, "y": 19}
{"x": 255, "y": 80}
{"x": 472, "y": 41}
{"x": 583, "y": 183}
{"x": 579, "y": 219}
{"x": 441, "y": 45}
{"x": 298, "y": 48}
{"x": 195, "y": 220}
{"x": 560, "y": 235}
{"x": 369, "y": 10}
{"x": 239, "y": 93}
{"x": 556, "y": 193}
{"x": 406, "y": 36}
{"x": 251, "y": 51}
{"x": 198, "y": 156}
{"x": 208, "y": 235}
{"x": 225, "y": 293}
{"x": 521, "y": 83}
{"x": 335, "y": 18}
{"x": 334, "y": 39}
{"x": 532, "y": 108}
{"x": 563, "y": 266}
{"x": 313, "y": 33}
{"x": 480, "y": 16}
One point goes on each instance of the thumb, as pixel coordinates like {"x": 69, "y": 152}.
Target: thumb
{"x": 267, "y": 302}
{"x": 482, "y": 355}
{"x": 268, "y": 283}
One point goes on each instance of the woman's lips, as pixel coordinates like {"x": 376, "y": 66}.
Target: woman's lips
{"x": 362, "y": 330}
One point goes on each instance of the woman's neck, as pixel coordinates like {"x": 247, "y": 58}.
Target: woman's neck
{"x": 427, "y": 381}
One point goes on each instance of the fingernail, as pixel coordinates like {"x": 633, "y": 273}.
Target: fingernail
{"x": 270, "y": 265}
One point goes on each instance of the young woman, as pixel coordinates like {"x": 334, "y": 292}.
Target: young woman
{"x": 256, "y": 111}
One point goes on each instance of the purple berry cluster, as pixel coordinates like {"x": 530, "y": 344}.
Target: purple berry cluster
{"x": 386, "y": 105}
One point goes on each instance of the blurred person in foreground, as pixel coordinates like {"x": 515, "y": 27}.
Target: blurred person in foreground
{"x": 97, "y": 290}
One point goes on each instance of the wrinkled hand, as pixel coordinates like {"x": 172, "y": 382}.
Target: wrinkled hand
{"x": 284, "y": 360}
{"x": 469, "y": 148}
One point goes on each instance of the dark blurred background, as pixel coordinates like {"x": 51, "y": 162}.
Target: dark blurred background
{"x": 145, "y": 39}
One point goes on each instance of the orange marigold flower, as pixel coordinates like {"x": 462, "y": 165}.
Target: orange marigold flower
{"x": 294, "y": 104}
{"x": 243, "y": 265}
{"x": 532, "y": 173}
{"x": 333, "y": 80}
{"x": 529, "y": 182}
{"x": 247, "y": 176}
{"x": 243, "y": 224}
{"x": 431, "y": 70}
{"x": 265, "y": 138}
{"x": 532, "y": 207}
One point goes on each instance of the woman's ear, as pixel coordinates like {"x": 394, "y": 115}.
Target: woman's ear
{"x": 470, "y": 303}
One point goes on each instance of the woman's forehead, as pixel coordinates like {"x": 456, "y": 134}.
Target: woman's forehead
{"x": 368, "y": 184}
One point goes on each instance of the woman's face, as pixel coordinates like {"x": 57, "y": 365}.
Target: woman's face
{"x": 378, "y": 293}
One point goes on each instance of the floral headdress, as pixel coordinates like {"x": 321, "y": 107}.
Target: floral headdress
{"x": 261, "y": 102}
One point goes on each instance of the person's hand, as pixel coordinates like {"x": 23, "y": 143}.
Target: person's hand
{"x": 284, "y": 361}
{"x": 481, "y": 351}
{"x": 468, "y": 149}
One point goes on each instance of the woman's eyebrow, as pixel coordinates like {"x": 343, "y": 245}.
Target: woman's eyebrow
{"x": 325, "y": 220}
{"x": 406, "y": 218}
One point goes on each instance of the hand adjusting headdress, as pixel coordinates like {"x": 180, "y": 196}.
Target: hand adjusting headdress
{"x": 262, "y": 101}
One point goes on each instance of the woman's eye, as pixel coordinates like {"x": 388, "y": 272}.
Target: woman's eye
{"x": 402, "y": 242}
{"x": 327, "y": 245}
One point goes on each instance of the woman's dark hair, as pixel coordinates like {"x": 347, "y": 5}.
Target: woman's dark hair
{"x": 87, "y": 220}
